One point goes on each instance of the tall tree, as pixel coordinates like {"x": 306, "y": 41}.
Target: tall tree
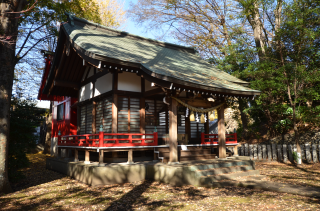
{"x": 38, "y": 24}
{"x": 10, "y": 11}
{"x": 205, "y": 24}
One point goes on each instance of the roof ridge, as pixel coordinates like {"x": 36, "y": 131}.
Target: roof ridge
{"x": 71, "y": 19}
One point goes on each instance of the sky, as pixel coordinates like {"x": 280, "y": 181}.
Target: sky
{"x": 130, "y": 27}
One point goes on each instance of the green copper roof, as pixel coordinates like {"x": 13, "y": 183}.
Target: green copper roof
{"x": 170, "y": 60}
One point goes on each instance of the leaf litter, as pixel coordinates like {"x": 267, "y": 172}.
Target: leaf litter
{"x": 44, "y": 189}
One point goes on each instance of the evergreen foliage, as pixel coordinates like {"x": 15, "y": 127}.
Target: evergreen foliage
{"x": 24, "y": 118}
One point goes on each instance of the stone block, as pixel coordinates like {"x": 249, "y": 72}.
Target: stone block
{"x": 308, "y": 153}
{"x": 251, "y": 151}
{"x": 269, "y": 152}
{"x": 242, "y": 150}
{"x": 280, "y": 158}
{"x": 246, "y": 150}
{"x": 259, "y": 152}
{"x": 274, "y": 152}
{"x": 285, "y": 153}
{"x": 290, "y": 151}
{"x": 314, "y": 153}
{"x": 255, "y": 152}
{"x": 264, "y": 152}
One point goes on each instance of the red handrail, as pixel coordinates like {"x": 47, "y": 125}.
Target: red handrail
{"x": 99, "y": 140}
{"x": 213, "y": 138}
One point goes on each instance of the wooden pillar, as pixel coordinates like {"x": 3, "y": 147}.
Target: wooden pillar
{"x": 142, "y": 108}
{"x": 115, "y": 113}
{"x": 188, "y": 128}
{"x": 130, "y": 156}
{"x": 173, "y": 131}
{"x": 94, "y": 105}
{"x": 78, "y": 119}
{"x": 101, "y": 154}
{"x": 142, "y": 115}
{"x": 87, "y": 157}
{"x": 76, "y": 157}
{"x": 221, "y": 133}
{"x": 115, "y": 103}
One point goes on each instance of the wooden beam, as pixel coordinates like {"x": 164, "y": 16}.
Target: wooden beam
{"x": 68, "y": 84}
{"x": 153, "y": 92}
{"x": 221, "y": 133}
{"x": 173, "y": 131}
{"x": 198, "y": 103}
{"x": 94, "y": 77}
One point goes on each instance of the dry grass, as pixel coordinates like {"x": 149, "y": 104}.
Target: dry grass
{"x": 47, "y": 190}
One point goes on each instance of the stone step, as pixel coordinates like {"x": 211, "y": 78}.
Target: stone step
{"x": 198, "y": 157}
{"x": 225, "y": 170}
{"x": 193, "y": 152}
{"x": 163, "y": 149}
{"x": 222, "y": 164}
{"x": 205, "y": 180}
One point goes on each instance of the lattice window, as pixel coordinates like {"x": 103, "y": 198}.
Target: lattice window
{"x": 104, "y": 115}
{"x": 128, "y": 115}
{"x": 86, "y": 119}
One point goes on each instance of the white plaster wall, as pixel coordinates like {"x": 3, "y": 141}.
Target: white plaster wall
{"x": 103, "y": 84}
{"x": 148, "y": 86}
{"x": 129, "y": 82}
{"x": 86, "y": 92}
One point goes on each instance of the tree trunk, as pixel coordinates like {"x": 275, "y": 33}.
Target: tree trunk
{"x": 47, "y": 142}
{"x": 8, "y": 37}
{"x": 244, "y": 118}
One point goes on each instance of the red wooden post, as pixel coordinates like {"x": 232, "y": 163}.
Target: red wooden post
{"x": 101, "y": 136}
{"x": 59, "y": 138}
{"x": 202, "y": 138}
{"x": 155, "y": 138}
{"x": 235, "y": 137}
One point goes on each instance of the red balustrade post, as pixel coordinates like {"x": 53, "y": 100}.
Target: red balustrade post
{"x": 155, "y": 138}
{"x": 59, "y": 138}
{"x": 235, "y": 137}
{"x": 101, "y": 136}
{"x": 202, "y": 138}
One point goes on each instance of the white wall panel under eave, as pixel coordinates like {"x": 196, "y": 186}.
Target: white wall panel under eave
{"x": 103, "y": 84}
{"x": 148, "y": 86}
{"x": 129, "y": 82}
{"x": 86, "y": 92}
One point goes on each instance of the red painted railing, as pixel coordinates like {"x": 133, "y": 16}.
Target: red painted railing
{"x": 213, "y": 138}
{"x": 99, "y": 140}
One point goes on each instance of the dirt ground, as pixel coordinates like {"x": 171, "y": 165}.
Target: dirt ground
{"x": 43, "y": 189}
